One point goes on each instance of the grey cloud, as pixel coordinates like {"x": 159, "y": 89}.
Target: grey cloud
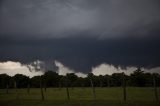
{"x": 81, "y": 33}
{"x": 67, "y": 18}
{"x": 43, "y": 19}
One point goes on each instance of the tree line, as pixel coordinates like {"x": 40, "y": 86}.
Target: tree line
{"x": 51, "y": 79}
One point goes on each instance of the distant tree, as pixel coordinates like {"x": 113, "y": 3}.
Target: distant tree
{"x": 117, "y": 79}
{"x": 138, "y": 78}
{"x": 64, "y": 81}
{"x": 107, "y": 80}
{"x": 51, "y": 79}
{"x": 91, "y": 78}
{"x": 158, "y": 80}
{"x": 21, "y": 80}
{"x": 148, "y": 79}
{"x": 4, "y": 80}
{"x": 101, "y": 80}
{"x": 80, "y": 82}
{"x": 35, "y": 81}
{"x": 72, "y": 79}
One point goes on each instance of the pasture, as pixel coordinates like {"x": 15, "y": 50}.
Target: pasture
{"x": 113, "y": 96}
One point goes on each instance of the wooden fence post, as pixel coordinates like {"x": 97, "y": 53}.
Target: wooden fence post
{"x": 93, "y": 89}
{"x": 7, "y": 86}
{"x": 68, "y": 96}
{"x": 67, "y": 90}
{"x": 155, "y": 88}
{"x": 108, "y": 81}
{"x": 45, "y": 87}
{"x": 124, "y": 88}
{"x": 41, "y": 86}
{"x": 28, "y": 88}
{"x": 15, "y": 86}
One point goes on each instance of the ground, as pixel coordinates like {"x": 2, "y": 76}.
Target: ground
{"x": 79, "y": 97}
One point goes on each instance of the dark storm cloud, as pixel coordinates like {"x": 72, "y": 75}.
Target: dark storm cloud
{"x": 82, "y": 54}
{"x": 81, "y": 33}
{"x": 67, "y": 18}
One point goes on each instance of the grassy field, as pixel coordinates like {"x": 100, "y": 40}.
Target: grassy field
{"x": 79, "y": 97}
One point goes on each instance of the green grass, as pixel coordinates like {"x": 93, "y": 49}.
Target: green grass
{"x": 79, "y": 97}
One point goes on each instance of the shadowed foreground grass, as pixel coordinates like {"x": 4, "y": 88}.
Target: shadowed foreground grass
{"x": 79, "y": 97}
{"x": 76, "y": 103}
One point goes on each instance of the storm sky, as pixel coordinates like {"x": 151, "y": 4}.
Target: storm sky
{"x": 81, "y": 34}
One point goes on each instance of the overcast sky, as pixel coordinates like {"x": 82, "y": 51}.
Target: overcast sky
{"x": 81, "y": 34}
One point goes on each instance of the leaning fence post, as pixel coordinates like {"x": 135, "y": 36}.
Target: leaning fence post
{"x": 108, "y": 81}
{"x": 45, "y": 87}
{"x": 59, "y": 85}
{"x": 41, "y": 86}
{"x": 155, "y": 88}
{"x": 67, "y": 90}
{"x": 7, "y": 86}
{"x": 15, "y": 86}
{"x": 124, "y": 87}
{"x": 93, "y": 89}
{"x": 67, "y": 93}
{"x": 28, "y": 88}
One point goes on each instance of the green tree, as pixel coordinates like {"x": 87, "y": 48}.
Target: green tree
{"x": 21, "y": 80}
{"x": 138, "y": 78}
{"x": 4, "y": 80}
{"x": 72, "y": 79}
{"x": 51, "y": 79}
